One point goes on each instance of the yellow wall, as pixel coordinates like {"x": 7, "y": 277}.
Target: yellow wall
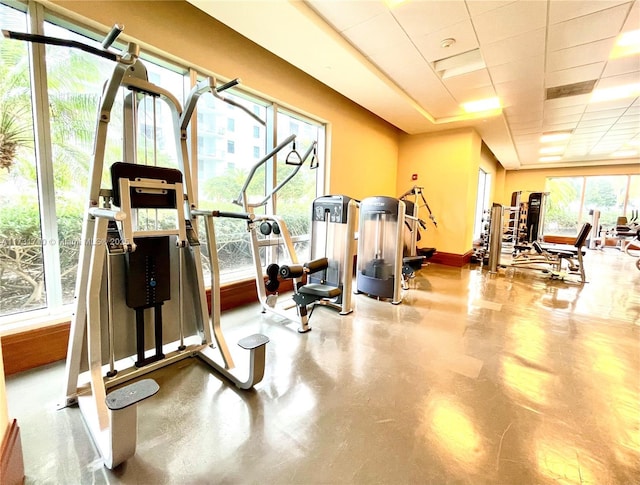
{"x": 363, "y": 147}
{"x": 534, "y": 180}
{"x": 447, "y": 167}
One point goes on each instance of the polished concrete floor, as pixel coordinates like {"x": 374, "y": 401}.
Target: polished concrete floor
{"x": 474, "y": 379}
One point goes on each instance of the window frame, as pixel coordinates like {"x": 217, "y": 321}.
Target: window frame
{"x": 38, "y": 14}
{"x": 584, "y": 179}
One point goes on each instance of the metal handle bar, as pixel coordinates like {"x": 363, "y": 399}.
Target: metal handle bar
{"x": 43, "y": 39}
{"x": 230, "y": 215}
{"x": 113, "y": 34}
{"x": 287, "y": 178}
{"x": 208, "y": 85}
{"x": 261, "y": 162}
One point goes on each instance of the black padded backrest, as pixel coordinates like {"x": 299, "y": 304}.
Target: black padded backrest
{"x": 537, "y": 247}
{"x": 582, "y": 235}
{"x": 140, "y": 199}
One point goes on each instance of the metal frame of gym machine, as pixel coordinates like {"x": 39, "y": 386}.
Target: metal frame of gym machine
{"x": 412, "y": 261}
{"x": 269, "y": 300}
{"x": 97, "y": 362}
{"x": 548, "y": 259}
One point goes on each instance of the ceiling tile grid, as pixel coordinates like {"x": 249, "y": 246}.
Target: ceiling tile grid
{"x": 522, "y": 49}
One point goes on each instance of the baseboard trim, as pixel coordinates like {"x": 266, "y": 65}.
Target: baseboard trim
{"x": 33, "y": 348}
{"x": 451, "y": 259}
{"x": 11, "y": 462}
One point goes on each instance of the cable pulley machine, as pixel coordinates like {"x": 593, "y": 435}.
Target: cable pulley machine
{"x": 134, "y": 263}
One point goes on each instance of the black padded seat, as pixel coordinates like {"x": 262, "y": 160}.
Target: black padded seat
{"x": 319, "y": 290}
{"x": 414, "y": 262}
{"x": 562, "y": 249}
{"x": 426, "y": 252}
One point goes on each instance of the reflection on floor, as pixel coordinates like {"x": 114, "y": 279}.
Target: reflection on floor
{"x": 473, "y": 379}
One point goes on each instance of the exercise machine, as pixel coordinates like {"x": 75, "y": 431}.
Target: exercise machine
{"x": 269, "y": 231}
{"x": 523, "y": 221}
{"x": 414, "y": 257}
{"x": 329, "y": 274}
{"x": 556, "y": 260}
{"x": 140, "y": 275}
{"x": 380, "y": 248}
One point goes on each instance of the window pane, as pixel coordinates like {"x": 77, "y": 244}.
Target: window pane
{"x": 562, "y": 215}
{"x": 633, "y": 202}
{"x": 606, "y": 194}
{"x": 294, "y": 200}
{"x": 75, "y": 80}
{"x": 222, "y": 172}
{"x": 21, "y": 263}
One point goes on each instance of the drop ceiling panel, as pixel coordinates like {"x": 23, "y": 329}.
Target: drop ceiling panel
{"x": 430, "y": 45}
{"x": 574, "y": 75}
{"x": 604, "y": 105}
{"x": 580, "y": 55}
{"x": 517, "y": 92}
{"x": 565, "y": 110}
{"x": 603, "y": 122}
{"x": 529, "y": 69}
{"x": 558, "y": 119}
{"x": 569, "y": 9}
{"x": 633, "y": 19}
{"x": 625, "y": 65}
{"x": 522, "y": 115}
{"x": 477, "y": 7}
{"x": 618, "y": 80}
{"x": 518, "y": 48}
{"x": 377, "y": 34}
{"x": 557, "y": 126}
{"x": 590, "y": 28}
{"x": 420, "y": 18}
{"x": 349, "y": 14}
{"x": 511, "y": 20}
{"x": 604, "y": 114}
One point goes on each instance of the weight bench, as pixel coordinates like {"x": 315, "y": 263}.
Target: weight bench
{"x": 309, "y": 293}
{"x": 572, "y": 254}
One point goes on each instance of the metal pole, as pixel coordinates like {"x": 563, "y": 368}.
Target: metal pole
{"x": 495, "y": 238}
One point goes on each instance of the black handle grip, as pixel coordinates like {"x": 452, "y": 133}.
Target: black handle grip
{"x": 228, "y": 85}
{"x": 43, "y": 39}
{"x": 231, "y": 215}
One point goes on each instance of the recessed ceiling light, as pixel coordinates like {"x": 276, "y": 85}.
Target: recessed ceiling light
{"x": 618, "y": 92}
{"x": 482, "y": 105}
{"x": 459, "y": 64}
{"x": 625, "y": 153}
{"x": 628, "y": 44}
{"x": 555, "y": 136}
{"x": 550, "y": 150}
{"x": 393, "y": 3}
{"x": 554, "y": 158}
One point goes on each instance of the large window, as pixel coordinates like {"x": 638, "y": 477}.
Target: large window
{"x": 572, "y": 199}
{"x": 45, "y": 162}
{"x": 21, "y": 242}
{"x": 483, "y": 200}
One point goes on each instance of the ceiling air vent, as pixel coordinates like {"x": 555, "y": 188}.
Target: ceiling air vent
{"x": 575, "y": 89}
